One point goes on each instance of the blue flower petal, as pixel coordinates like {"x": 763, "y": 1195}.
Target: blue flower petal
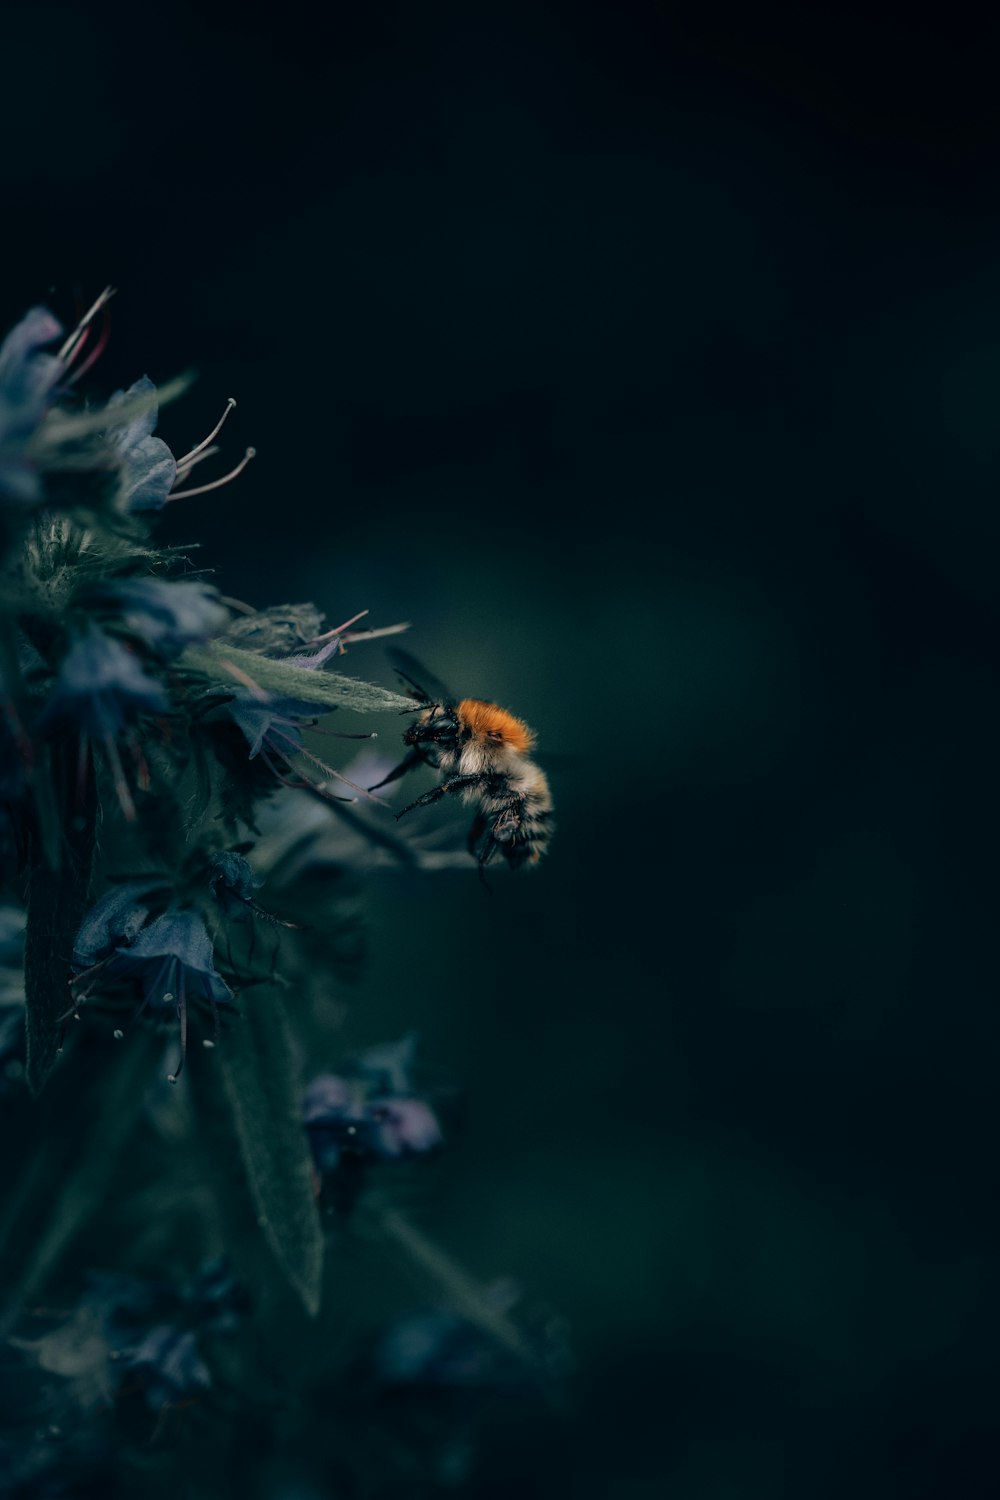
{"x": 327, "y": 1099}
{"x": 169, "y": 616}
{"x": 100, "y": 683}
{"x": 180, "y": 938}
{"x": 27, "y": 377}
{"x": 149, "y": 469}
{"x": 116, "y": 919}
{"x": 233, "y": 883}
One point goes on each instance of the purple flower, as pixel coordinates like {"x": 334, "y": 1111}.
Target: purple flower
{"x": 101, "y": 685}
{"x": 272, "y": 724}
{"x": 233, "y": 883}
{"x": 27, "y": 378}
{"x": 115, "y": 920}
{"x": 403, "y": 1127}
{"x": 168, "y": 1364}
{"x": 359, "y": 1117}
{"x": 149, "y": 471}
{"x": 148, "y": 468}
{"x": 173, "y": 959}
{"x": 127, "y": 1332}
{"x": 167, "y": 616}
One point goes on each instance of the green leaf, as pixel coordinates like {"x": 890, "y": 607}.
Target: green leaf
{"x": 261, "y": 1086}
{"x": 230, "y": 664}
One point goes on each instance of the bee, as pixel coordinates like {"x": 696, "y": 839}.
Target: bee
{"x": 485, "y": 755}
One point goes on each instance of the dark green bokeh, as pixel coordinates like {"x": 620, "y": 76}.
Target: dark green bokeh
{"x": 651, "y": 372}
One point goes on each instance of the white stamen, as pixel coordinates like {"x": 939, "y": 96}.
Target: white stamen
{"x": 182, "y": 463}
{"x": 185, "y": 465}
{"x": 216, "y": 484}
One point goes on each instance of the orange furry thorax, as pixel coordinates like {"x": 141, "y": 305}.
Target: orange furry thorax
{"x": 496, "y": 724}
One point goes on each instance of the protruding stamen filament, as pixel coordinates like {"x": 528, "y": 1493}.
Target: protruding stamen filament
{"x": 374, "y": 635}
{"x": 216, "y": 484}
{"x": 185, "y": 465}
{"x": 95, "y": 353}
{"x": 276, "y": 734}
{"x": 185, "y": 462}
{"x": 73, "y": 343}
{"x": 338, "y": 629}
{"x": 347, "y": 636}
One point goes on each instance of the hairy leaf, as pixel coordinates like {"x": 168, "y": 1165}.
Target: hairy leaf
{"x": 261, "y": 1085}
{"x": 230, "y": 665}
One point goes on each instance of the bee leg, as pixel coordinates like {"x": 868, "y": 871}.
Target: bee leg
{"x": 505, "y": 835}
{"x": 406, "y": 764}
{"x": 456, "y": 784}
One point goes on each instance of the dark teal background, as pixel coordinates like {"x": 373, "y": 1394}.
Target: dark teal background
{"x": 651, "y": 367}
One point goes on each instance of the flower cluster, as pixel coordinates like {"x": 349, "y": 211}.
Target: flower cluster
{"x": 128, "y": 1335}
{"x": 371, "y": 1112}
{"x": 170, "y": 956}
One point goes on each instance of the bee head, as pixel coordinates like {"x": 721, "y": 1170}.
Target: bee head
{"x": 436, "y": 726}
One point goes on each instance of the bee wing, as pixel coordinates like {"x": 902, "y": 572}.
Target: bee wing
{"x": 426, "y": 687}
